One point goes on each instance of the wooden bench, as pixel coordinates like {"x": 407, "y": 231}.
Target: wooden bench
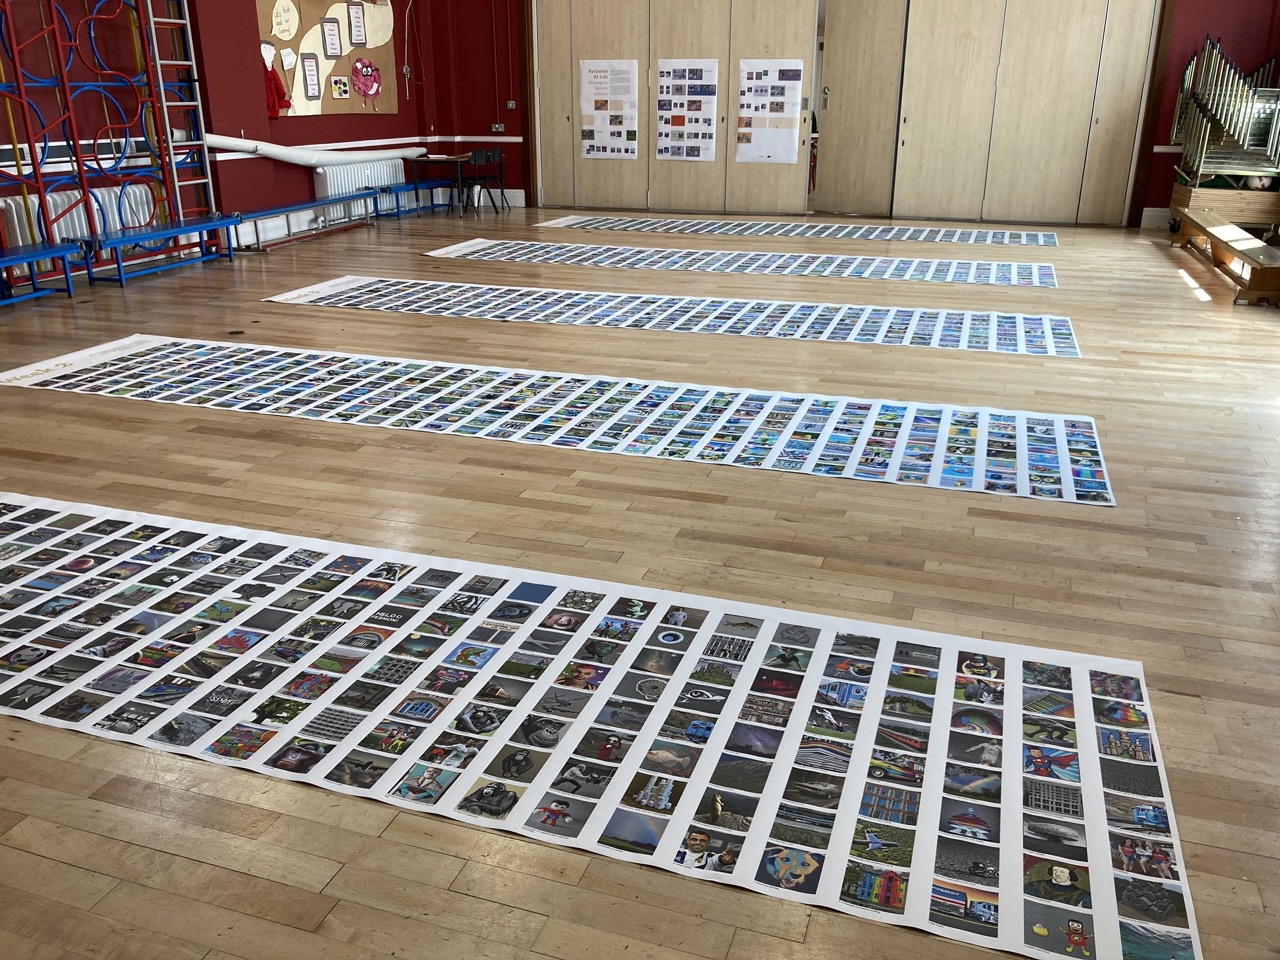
{"x": 154, "y": 238}
{"x": 397, "y": 191}
{"x": 1249, "y": 263}
{"x": 368, "y": 197}
{"x": 28, "y": 255}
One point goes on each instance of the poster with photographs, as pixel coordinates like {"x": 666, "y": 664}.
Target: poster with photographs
{"x": 807, "y": 229}
{"x": 988, "y": 331}
{"x": 1002, "y": 273}
{"x": 770, "y": 95}
{"x": 991, "y": 793}
{"x": 962, "y": 448}
{"x": 609, "y": 102}
{"x": 688, "y": 117}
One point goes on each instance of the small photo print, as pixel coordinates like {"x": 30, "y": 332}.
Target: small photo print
{"x": 752, "y": 740}
{"x": 609, "y": 746}
{"x": 582, "y": 778}
{"x": 791, "y": 868}
{"x": 128, "y": 718}
{"x": 183, "y": 730}
{"x": 1053, "y": 837}
{"x": 1145, "y": 857}
{"x": 299, "y": 755}
{"x": 1062, "y": 883}
{"x": 541, "y": 732}
{"x": 512, "y": 762}
{"x": 76, "y": 707}
{"x": 710, "y": 850}
{"x": 490, "y": 798}
{"x": 360, "y": 769}
{"x": 875, "y": 888}
{"x": 718, "y": 672}
{"x": 424, "y": 784}
{"x": 633, "y": 832}
{"x": 241, "y": 742}
{"x": 1140, "y": 942}
{"x": 964, "y": 907}
{"x": 1151, "y": 900}
{"x": 967, "y": 861}
{"x": 559, "y": 815}
{"x": 1059, "y": 930}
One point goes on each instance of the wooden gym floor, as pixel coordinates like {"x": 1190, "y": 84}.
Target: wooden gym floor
{"x": 114, "y": 852}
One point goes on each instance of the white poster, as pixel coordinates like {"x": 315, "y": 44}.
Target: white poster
{"x": 610, "y": 109}
{"x": 688, "y": 93}
{"x": 769, "y": 102}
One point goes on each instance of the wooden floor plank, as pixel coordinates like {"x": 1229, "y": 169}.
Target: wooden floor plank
{"x": 1182, "y": 574}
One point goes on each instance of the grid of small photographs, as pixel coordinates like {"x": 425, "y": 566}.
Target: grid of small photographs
{"x": 999, "y": 273}
{"x": 795, "y": 754}
{"x": 977, "y": 450}
{"x": 687, "y": 109}
{"x": 1040, "y": 335}
{"x": 810, "y": 230}
{"x": 770, "y": 101}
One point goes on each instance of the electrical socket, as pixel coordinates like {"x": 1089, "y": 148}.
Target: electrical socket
{"x": 497, "y": 127}
{"x": 511, "y": 104}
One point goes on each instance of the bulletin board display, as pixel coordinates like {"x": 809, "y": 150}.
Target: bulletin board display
{"x": 333, "y": 57}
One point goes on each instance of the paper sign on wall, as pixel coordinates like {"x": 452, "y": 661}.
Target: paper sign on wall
{"x": 687, "y": 109}
{"x": 610, "y": 108}
{"x": 769, "y": 102}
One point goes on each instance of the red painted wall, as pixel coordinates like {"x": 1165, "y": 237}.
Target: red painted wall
{"x": 1250, "y": 33}
{"x": 466, "y": 58}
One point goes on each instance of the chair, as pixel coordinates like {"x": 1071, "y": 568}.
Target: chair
{"x": 487, "y": 174}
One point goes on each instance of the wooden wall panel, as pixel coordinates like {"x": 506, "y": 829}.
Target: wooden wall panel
{"x": 948, "y": 97}
{"x": 557, "y": 129}
{"x": 692, "y": 29}
{"x": 783, "y": 29}
{"x": 612, "y": 30}
{"x": 1126, "y": 57}
{"x": 862, "y": 64}
{"x": 1044, "y": 103}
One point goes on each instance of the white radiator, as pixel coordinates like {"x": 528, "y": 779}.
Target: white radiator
{"x": 348, "y": 178}
{"x": 113, "y": 208}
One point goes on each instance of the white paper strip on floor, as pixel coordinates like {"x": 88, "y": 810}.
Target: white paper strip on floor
{"x": 809, "y": 229}
{"x": 984, "y": 330}
{"x": 997, "y": 794}
{"x": 1009, "y": 452}
{"x": 1001, "y": 273}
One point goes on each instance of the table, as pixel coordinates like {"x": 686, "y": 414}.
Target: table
{"x": 457, "y": 159}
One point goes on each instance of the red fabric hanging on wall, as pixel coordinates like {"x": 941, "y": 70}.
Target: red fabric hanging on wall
{"x": 277, "y": 96}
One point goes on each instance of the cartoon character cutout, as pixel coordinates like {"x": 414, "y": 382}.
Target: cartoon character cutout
{"x": 366, "y": 79}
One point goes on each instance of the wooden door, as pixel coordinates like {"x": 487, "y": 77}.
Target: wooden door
{"x": 1044, "y": 104}
{"x": 1127, "y": 47}
{"x": 770, "y": 29}
{"x": 858, "y": 124}
{"x": 948, "y": 97}
{"x": 611, "y": 30}
{"x": 690, "y": 29}
{"x": 557, "y": 139}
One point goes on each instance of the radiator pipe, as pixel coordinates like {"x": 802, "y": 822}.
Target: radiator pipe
{"x": 304, "y": 157}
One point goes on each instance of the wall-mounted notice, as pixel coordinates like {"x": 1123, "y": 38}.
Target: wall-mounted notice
{"x": 331, "y": 37}
{"x": 687, "y": 109}
{"x": 769, "y": 94}
{"x": 310, "y": 76}
{"x": 355, "y": 25}
{"x": 610, "y": 108}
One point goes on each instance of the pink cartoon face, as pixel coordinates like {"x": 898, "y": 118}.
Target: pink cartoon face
{"x": 366, "y": 79}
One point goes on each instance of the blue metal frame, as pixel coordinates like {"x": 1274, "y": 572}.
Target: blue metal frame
{"x": 28, "y": 255}
{"x": 117, "y": 241}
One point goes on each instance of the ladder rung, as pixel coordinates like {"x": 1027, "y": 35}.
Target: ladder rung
{"x": 176, "y": 63}
{"x": 168, "y": 22}
{"x": 189, "y": 183}
{"x": 185, "y": 144}
{"x": 180, "y": 104}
